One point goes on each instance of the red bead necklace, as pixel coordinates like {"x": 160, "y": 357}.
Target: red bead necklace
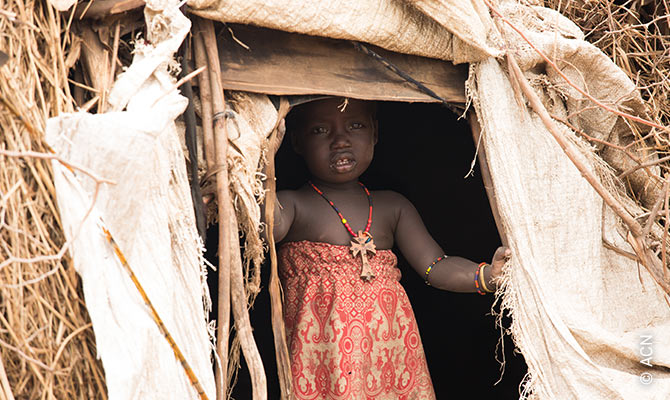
{"x": 362, "y": 243}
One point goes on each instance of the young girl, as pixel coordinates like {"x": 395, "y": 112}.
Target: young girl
{"x": 351, "y": 330}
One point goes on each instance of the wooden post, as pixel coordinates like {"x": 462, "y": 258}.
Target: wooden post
{"x": 231, "y": 275}
{"x": 216, "y": 153}
{"x": 205, "y": 100}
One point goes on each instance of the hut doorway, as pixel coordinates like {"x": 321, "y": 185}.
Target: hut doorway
{"x": 424, "y": 152}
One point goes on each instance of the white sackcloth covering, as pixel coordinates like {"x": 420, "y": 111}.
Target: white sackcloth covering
{"x": 579, "y": 310}
{"x": 150, "y": 215}
{"x": 459, "y": 31}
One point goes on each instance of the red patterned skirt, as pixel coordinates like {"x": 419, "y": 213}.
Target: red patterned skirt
{"x": 349, "y": 339}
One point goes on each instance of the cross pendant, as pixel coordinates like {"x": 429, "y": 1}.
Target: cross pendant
{"x": 361, "y": 245}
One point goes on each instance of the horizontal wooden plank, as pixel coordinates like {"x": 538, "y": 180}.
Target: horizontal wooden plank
{"x": 283, "y": 63}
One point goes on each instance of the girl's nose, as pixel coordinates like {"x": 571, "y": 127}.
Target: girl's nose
{"x": 340, "y": 139}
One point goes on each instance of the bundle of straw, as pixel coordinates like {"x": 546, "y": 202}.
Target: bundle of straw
{"x": 47, "y": 348}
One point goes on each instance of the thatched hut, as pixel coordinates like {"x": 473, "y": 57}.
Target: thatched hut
{"x": 113, "y": 165}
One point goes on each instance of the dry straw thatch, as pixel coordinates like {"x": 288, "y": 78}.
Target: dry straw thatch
{"x": 47, "y": 347}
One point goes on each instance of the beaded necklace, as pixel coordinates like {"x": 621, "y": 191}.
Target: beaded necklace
{"x": 362, "y": 242}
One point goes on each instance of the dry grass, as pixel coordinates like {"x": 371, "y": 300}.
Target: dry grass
{"x": 46, "y": 341}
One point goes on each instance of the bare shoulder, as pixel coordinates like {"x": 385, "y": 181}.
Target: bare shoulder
{"x": 289, "y": 200}
{"x": 391, "y": 200}
{"x": 286, "y": 196}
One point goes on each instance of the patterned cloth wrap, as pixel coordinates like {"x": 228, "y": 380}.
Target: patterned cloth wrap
{"x": 349, "y": 339}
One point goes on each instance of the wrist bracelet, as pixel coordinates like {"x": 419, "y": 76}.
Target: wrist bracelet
{"x": 477, "y": 274}
{"x": 482, "y": 278}
{"x": 430, "y": 267}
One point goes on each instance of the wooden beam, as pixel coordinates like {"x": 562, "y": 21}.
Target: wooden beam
{"x": 283, "y": 63}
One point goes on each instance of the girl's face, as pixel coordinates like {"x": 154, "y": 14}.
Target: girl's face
{"x": 337, "y": 145}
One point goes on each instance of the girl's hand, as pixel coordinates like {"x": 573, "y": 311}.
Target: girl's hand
{"x": 500, "y": 257}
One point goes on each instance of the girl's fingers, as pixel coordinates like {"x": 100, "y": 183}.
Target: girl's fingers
{"x": 502, "y": 254}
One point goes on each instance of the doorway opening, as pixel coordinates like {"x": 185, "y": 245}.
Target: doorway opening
{"x": 424, "y": 152}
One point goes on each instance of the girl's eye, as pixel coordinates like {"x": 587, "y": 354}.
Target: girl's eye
{"x": 356, "y": 125}
{"x": 319, "y": 130}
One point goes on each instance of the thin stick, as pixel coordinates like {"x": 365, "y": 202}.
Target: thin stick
{"x": 278, "y": 327}
{"x": 179, "y": 83}
{"x": 223, "y": 201}
{"x": 664, "y": 239}
{"x": 115, "y": 54}
{"x": 205, "y": 101}
{"x": 654, "y": 213}
{"x": 643, "y": 165}
{"x": 154, "y": 314}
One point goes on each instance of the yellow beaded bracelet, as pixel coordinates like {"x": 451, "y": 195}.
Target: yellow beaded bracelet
{"x": 482, "y": 279}
{"x": 430, "y": 267}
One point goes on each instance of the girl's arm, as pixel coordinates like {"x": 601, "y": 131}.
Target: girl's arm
{"x": 456, "y": 274}
{"x": 284, "y": 214}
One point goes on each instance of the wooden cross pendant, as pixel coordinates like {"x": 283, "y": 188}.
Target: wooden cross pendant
{"x": 361, "y": 245}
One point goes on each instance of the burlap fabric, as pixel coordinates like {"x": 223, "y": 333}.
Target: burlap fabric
{"x": 586, "y": 319}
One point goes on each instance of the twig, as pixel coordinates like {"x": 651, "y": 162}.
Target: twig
{"x": 643, "y": 165}
{"x": 654, "y": 213}
{"x": 179, "y": 83}
{"x": 278, "y": 328}
{"x": 624, "y": 149}
{"x": 115, "y": 54}
{"x": 664, "y": 239}
{"x": 154, "y": 314}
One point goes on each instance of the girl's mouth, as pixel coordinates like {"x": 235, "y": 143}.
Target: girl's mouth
{"x": 342, "y": 164}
